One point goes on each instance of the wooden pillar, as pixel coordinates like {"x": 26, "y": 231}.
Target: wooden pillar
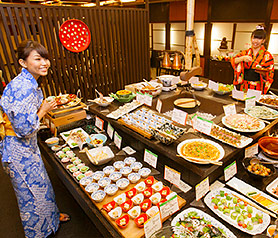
{"x": 168, "y": 33}
{"x": 189, "y": 34}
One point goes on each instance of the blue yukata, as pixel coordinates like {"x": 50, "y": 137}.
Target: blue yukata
{"x": 21, "y": 157}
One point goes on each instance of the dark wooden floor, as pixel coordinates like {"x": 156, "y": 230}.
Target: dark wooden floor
{"x": 80, "y": 225}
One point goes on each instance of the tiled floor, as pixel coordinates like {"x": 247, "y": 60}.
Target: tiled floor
{"x": 80, "y": 225}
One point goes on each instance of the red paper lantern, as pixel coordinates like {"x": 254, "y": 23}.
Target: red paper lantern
{"x": 75, "y": 35}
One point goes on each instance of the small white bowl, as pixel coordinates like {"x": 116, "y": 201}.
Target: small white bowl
{"x": 134, "y": 177}
{"x": 157, "y": 186}
{"x": 126, "y": 171}
{"x": 98, "y": 196}
{"x": 136, "y": 166}
{"x": 111, "y": 189}
{"x": 129, "y": 160}
{"x": 98, "y": 175}
{"x": 152, "y": 211}
{"x": 134, "y": 212}
{"x": 115, "y": 176}
{"x": 92, "y": 187}
{"x": 86, "y": 180}
{"x": 106, "y": 101}
{"x": 103, "y": 182}
{"x": 120, "y": 199}
{"x": 137, "y": 199}
{"x": 115, "y": 213}
{"x": 118, "y": 165}
{"x": 108, "y": 170}
{"x": 155, "y": 198}
{"x": 122, "y": 183}
{"x": 52, "y": 141}
{"x": 144, "y": 172}
{"x": 199, "y": 86}
{"x": 140, "y": 187}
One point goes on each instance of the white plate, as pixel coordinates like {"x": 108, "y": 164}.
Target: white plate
{"x": 258, "y": 229}
{"x": 275, "y": 116}
{"x": 267, "y": 96}
{"x": 262, "y": 125}
{"x": 219, "y": 147}
{"x": 245, "y": 188}
{"x": 244, "y": 140}
{"x": 271, "y": 186}
{"x": 70, "y": 141}
{"x": 206, "y": 216}
{"x": 98, "y": 152}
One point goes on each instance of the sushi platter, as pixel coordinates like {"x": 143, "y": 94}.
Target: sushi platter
{"x": 236, "y": 210}
{"x": 254, "y": 194}
{"x": 194, "y": 218}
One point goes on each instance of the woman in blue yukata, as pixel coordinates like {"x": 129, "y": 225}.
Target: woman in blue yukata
{"x": 23, "y": 108}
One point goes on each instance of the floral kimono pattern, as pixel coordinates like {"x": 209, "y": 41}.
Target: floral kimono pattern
{"x": 264, "y": 59}
{"x": 22, "y": 160}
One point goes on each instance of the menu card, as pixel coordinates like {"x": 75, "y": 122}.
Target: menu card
{"x": 110, "y": 131}
{"x": 159, "y": 105}
{"x": 117, "y": 140}
{"x": 213, "y": 85}
{"x": 230, "y": 171}
{"x": 253, "y": 92}
{"x": 150, "y": 158}
{"x": 179, "y": 116}
{"x": 140, "y": 97}
{"x": 152, "y": 225}
{"x": 172, "y": 175}
{"x": 251, "y": 150}
{"x": 250, "y": 102}
{"x": 148, "y": 99}
{"x": 202, "y": 125}
{"x": 99, "y": 123}
{"x": 202, "y": 188}
{"x": 237, "y": 94}
{"x": 169, "y": 207}
{"x": 229, "y": 109}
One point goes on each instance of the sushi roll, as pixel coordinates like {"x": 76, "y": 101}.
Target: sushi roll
{"x": 77, "y": 161}
{"x": 79, "y": 166}
{"x": 224, "y": 201}
{"x": 215, "y": 201}
{"x": 226, "y": 211}
{"x": 235, "y": 200}
{"x": 244, "y": 214}
{"x": 237, "y": 209}
{"x": 229, "y": 198}
{"x": 249, "y": 209}
{"x": 73, "y": 159}
{"x": 221, "y": 208}
{"x": 234, "y": 215}
{"x": 66, "y": 149}
{"x": 70, "y": 166}
{"x": 250, "y": 226}
{"x": 231, "y": 206}
{"x": 241, "y": 205}
{"x": 84, "y": 169}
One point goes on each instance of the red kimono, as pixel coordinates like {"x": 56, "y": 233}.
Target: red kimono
{"x": 263, "y": 59}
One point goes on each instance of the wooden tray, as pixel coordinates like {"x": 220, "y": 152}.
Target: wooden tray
{"x": 65, "y": 110}
{"x": 131, "y": 230}
{"x": 134, "y": 128}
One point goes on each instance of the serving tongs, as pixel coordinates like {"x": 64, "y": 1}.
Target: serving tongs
{"x": 188, "y": 88}
{"x": 219, "y": 163}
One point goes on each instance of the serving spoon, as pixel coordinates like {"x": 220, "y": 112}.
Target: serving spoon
{"x": 257, "y": 161}
{"x": 219, "y": 163}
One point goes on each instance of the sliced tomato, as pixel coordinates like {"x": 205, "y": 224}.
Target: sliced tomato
{"x": 148, "y": 192}
{"x": 165, "y": 191}
{"x": 109, "y": 206}
{"x": 145, "y": 205}
{"x": 260, "y": 220}
{"x": 123, "y": 221}
{"x": 149, "y": 181}
{"x": 244, "y": 225}
{"x": 140, "y": 220}
{"x": 215, "y": 207}
{"x": 126, "y": 206}
{"x": 131, "y": 193}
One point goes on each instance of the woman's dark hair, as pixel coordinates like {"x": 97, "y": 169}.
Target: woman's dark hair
{"x": 25, "y": 47}
{"x": 259, "y": 33}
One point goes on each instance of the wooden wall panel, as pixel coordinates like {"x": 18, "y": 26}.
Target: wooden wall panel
{"x": 117, "y": 55}
{"x": 274, "y": 12}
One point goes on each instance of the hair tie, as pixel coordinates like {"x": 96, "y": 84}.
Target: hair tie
{"x": 259, "y": 27}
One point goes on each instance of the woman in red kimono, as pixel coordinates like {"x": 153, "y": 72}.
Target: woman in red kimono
{"x": 254, "y": 68}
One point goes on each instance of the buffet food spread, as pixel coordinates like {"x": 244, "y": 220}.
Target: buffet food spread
{"x": 128, "y": 196}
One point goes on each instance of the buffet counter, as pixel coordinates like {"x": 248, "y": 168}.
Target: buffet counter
{"x": 191, "y": 173}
